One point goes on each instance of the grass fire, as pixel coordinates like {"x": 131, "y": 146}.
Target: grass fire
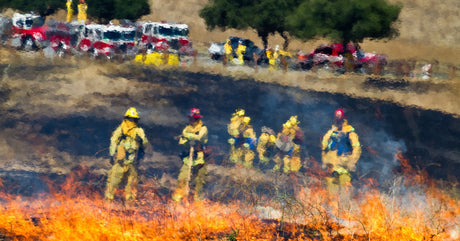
{"x": 409, "y": 210}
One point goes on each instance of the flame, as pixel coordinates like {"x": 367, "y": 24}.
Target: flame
{"x": 411, "y": 210}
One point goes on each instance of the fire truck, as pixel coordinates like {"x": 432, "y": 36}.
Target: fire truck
{"x": 28, "y": 31}
{"x": 162, "y": 35}
{"x": 107, "y": 40}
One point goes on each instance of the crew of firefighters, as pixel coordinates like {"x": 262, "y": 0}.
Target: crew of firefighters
{"x": 340, "y": 152}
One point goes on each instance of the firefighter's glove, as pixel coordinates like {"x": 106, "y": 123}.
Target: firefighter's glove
{"x": 246, "y": 145}
{"x": 112, "y": 151}
{"x": 231, "y": 141}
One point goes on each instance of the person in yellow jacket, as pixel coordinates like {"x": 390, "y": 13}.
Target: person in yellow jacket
{"x": 69, "y": 10}
{"x": 194, "y": 138}
{"x": 272, "y": 58}
{"x": 228, "y": 51}
{"x": 243, "y": 139}
{"x": 266, "y": 145}
{"x": 341, "y": 151}
{"x": 82, "y": 8}
{"x": 127, "y": 144}
{"x": 288, "y": 144}
{"x": 240, "y": 52}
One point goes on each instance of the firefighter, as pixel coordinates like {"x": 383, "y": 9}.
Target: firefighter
{"x": 82, "y": 8}
{"x": 340, "y": 152}
{"x": 127, "y": 146}
{"x": 271, "y": 56}
{"x": 266, "y": 145}
{"x": 194, "y": 138}
{"x": 243, "y": 139}
{"x": 240, "y": 52}
{"x": 228, "y": 52}
{"x": 288, "y": 144}
{"x": 69, "y": 10}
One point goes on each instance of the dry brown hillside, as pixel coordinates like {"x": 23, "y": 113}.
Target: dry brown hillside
{"x": 429, "y": 29}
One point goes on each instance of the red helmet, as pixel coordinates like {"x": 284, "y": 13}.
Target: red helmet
{"x": 339, "y": 114}
{"x": 195, "y": 113}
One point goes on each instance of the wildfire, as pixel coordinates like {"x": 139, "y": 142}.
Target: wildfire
{"x": 71, "y": 212}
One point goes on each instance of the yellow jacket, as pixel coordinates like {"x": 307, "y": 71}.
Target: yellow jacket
{"x": 241, "y": 49}
{"x": 234, "y": 127}
{"x": 335, "y": 156}
{"x": 69, "y": 11}
{"x": 82, "y": 7}
{"x": 194, "y": 132}
{"x": 129, "y": 137}
{"x": 228, "y": 48}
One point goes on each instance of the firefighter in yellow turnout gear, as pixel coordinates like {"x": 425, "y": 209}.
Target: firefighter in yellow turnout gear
{"x": 82, "y": 8}
{"x": 266, "y": 145}
{"x": 126, "y": 147}
{"x": 243, "y": 139}
{"x": 194, "y": 135}
{"x": 228, "y": 51}
{"x": 340, "y": 153}
{"x": 69, "y": 10}
{"x": 240, "y": 52}
{"x": 272, "y": 56}
{"x": 288, "y": 144}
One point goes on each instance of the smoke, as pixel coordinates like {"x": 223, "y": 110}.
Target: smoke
{"x": 315, "y": 113}
{"x": 379, "y": 156}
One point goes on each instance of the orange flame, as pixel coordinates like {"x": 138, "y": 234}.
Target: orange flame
{"x": 419, "y": 212}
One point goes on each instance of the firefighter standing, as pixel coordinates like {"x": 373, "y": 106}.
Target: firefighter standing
{"x": 243, "y": 139}
{"x": 240, "y": 52}
{"x": 127, "y": 144}
{"x": 69, "y": 10}
{"x": 272, "y": 58}
{"x": 82, "y": 8}
{"x": 194, "y": 135}
{"x": 340, "y": 152}
{"x": 288, "y": 144}
{"x": 266, "y": 145}
{"x": 228, "y": 52}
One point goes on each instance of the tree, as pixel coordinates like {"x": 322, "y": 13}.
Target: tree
{"x": 265, "y": 16}
{"x": 344, "y": 20}
{"x": 41, "y": 7}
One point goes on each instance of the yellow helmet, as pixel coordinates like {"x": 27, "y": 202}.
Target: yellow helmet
{"x": 239, "y": 112}
{"x": 246, "y": 120}
{"x": 132, "y": 113}
{"x": 293, "y": 120}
